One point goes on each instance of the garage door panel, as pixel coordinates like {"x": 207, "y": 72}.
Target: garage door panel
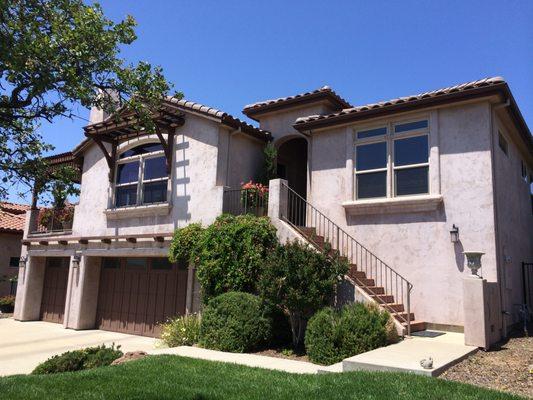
{"x": 137, "y": 295}
{"x": 54, "y": 289}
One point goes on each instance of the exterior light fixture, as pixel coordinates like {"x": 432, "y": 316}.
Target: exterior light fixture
{"x": 22, "y": 262}
{"x": 454, "y": 234}
{"x": 76, "y": 260}
{"x": 473, "y": 261}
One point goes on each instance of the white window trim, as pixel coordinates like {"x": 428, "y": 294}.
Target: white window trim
{"x": 140, "y": 179}
{"x": 389, "y": 138}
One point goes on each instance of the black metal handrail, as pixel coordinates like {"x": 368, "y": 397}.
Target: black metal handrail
{"x": 245, "y": 201}
{"x": 58, "y": 220}
{"x": 301, "y": 214}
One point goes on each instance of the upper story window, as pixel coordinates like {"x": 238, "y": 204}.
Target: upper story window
{"x": 392, "y": 160}
{"x": 141, "y": 176}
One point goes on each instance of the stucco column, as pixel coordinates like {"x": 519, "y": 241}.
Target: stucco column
{"x": 82, "y": 293}
{"x": 277, "y": 199}
{"x": 482, "y": 314}
{"x": 30, "y": 289}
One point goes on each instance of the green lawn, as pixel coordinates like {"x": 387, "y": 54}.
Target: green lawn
{"x": 172, "y": 377}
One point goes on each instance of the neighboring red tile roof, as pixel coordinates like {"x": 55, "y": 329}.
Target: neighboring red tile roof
{"x": 324, "y": 92}
{"x": 12, "y": 217}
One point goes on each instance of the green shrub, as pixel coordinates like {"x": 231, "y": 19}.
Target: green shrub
{"x": 234, "y": 322}
{"x": 77, "y": 360}
{"x": 185, "y": 243}
{"x": 300, "y": 281}
{"x": 181, "y": 331}
{"x": 335, "y": 335}
{"x": 231, "y": 254}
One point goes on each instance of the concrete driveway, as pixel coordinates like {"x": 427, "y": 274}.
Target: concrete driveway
{"x": 23, "y": 345}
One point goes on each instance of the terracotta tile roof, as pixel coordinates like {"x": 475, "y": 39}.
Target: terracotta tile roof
{"x": 12, "y": 217}
{"x": 224, "y": 118}
{"x": 464, "y": 87}
{"x": 324, "y": 92}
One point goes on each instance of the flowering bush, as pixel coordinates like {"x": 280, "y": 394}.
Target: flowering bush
{"x": 181, "y": 331}
{"x": 254, "y": 194}
{"x": 56, "y": 218}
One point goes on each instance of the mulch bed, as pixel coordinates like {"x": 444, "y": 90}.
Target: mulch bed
{"x": 279, "y": 353}
{"x": 506, "y": 367}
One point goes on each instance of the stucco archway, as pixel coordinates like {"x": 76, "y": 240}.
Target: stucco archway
{"x": 292, "y": 163}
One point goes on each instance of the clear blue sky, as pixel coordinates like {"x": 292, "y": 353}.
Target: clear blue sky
{"x": 230, "y": 53}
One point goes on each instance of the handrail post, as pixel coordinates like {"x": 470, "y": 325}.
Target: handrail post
{"x": 408, "y": 310}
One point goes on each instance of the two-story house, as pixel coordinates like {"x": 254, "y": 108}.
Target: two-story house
{"x": 401, "y": 188}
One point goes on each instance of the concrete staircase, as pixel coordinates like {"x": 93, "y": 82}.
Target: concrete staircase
{"x": 368, "y": 283}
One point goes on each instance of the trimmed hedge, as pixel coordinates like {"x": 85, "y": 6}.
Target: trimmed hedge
{"x": 332, "y": 335}
{"x": 235, "y": 322}
{"x": 77, "y": 360}
{"x": 231, "y": 254}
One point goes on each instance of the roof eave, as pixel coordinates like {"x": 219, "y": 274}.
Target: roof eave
{"x": 253, "y": 112}
{"x": 501, "y": 89}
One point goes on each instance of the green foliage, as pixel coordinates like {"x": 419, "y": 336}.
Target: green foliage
{"x": 231, "y": 254}
{"x": 77, "y": 360}
{"x": 335, "y": 335}
{"x": 7, "y": 301}
{"x": 235, "y": 322}
{"x": 185, "y": 243}
{"x": 54, "y": 56}
{"x": 270, "y": 164}
{"x": 300, "y": 281}
{"x": 181, "y": 331}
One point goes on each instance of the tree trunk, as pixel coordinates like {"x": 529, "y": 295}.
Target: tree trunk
{"x": 298, "y": 325}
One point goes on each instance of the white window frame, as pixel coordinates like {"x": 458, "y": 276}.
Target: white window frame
{"x": 389, "y": 138}
{"x": 140, "y": 179}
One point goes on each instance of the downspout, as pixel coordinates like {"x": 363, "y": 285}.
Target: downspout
{"x": 499, "y": 272}
{"x": 230, "y": 135}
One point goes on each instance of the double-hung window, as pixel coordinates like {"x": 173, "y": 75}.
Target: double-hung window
{"x": 141, "y": 176}
{"x": 392, "y": 160}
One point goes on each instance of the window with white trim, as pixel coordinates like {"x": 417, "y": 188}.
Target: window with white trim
{"x": 141, "y": 176}
{"x": 392, "y": 160}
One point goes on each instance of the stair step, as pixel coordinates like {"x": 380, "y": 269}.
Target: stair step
{"x": 402, "y": 316}
{"x": 358, "y": 274}
{"x": 307, "y": 231}
{"x": 386, "y": 298}
{"x": 374, "y": 289}
{"x": 367, "y": 282}
{"x": 416, "y": 326}
{"x": 397, "y": 307}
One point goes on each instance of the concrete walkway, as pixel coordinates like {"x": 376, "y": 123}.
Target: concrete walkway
{"x": 405, "y": 356}
{"x": 23, "y": 345}
{"x": 250, "y": 360}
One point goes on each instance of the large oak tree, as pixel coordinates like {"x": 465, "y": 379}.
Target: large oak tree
{"x": 54, "y": 56}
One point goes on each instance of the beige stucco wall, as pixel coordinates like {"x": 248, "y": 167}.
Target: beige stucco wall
{"x": 417, "y": 244}
{"x": 514, "y": 214}
{"x": 199, "y": 171}
{"x": 9, "y": 247}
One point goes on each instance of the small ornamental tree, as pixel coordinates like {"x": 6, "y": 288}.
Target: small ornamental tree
{"x": 300, "y": 281}
{"x": 231, "y": 253}
{"x": 270, "y": 164}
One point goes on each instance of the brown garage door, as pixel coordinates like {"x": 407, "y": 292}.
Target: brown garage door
{"x": 54, "y": 289}
{"x": 137, "y": 294}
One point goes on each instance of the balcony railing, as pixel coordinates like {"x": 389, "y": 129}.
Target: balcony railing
{"x": 245, "y": 201}
{"x": 51, "y": 220}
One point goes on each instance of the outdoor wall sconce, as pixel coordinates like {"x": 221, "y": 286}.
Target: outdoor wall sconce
{"x": 76, "y": 260}
{"x": 473, "y": 261}
{"x": 454, "y": 234}
{"x": 22, "y": 262}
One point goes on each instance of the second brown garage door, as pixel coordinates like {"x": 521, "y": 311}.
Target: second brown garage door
{"x": 137, "y": 294}
{"x": 54, "y": 289}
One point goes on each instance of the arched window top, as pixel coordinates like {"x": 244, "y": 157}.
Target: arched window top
{"x": 142, "y": 149}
